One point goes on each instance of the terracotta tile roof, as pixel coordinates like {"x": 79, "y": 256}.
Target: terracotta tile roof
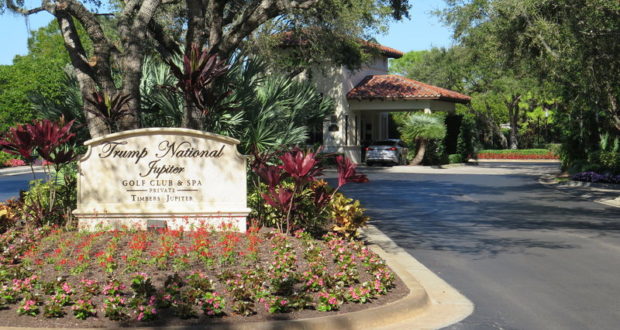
{"x": 389, "y": 86}
{"x": 387, "y": 51}
{"x": 289, "y": 39}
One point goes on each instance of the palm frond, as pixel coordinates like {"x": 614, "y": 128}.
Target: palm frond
{"x": 422, "y": 126}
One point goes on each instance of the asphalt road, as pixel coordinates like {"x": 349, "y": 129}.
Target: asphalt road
{"x": 10, "y": 185}
{"x": 528, "y": 256}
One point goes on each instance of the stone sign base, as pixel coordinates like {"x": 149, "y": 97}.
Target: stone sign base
{"x": 231, "y": 221}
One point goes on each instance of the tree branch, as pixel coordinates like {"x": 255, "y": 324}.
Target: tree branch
{"x": 246, "y": 22}
{"x": 145, "y": 14}
{"x": 166, "y": 45}
{"x": 72, "y": 42}
{"x": 130, "y": 6}
{"x": 15, "y": 8}
{"x": 102, "y": 48}
{"x": 297, "y": 4}
{"x": 216, "y": 13}
{"x": 196, "y": 24}
{"x": 542, "y": 40}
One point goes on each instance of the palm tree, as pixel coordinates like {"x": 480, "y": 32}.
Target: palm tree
{"x": 271, "y": 109}
{"x": 419, "y": 128}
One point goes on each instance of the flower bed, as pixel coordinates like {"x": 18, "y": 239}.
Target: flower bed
{"x": 596, "y": 177}
{"x": 517, "y": 154}
{"x": 73, "y": 279}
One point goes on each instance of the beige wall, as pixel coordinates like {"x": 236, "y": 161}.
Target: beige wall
{"x": 335, "y": 83}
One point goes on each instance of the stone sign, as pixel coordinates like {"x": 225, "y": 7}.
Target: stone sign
{"x": 162, "y": 176}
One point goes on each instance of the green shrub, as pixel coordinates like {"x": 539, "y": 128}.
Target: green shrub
{"x": 554, "y": 148}
{"x": 435, "y": 153}
{"x": 4, "y": 157}
{"x": 52, "y": 201}
{"x": 610, "y": 161}
{"x": 466, "y": 143}
{"x": 455, "y": 158}
{"x": 516, "y": 151}
{"x": 330, "y": 159}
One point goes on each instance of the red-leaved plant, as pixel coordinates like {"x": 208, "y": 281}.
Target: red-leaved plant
{"x": 43, "y": 137}
{"x": 347, "y": 172}
{"x": 303, "y": 168}
{"x": 199, "y": 70}
{"x": 47, "y": 139}
{"x": 19, "y": 141}
{"x": 109, "y": 109}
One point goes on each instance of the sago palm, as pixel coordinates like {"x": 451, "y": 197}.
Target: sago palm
{"x": 419, "y": 128}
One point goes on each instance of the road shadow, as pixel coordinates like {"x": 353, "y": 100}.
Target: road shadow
{"x": 478, "y": 215}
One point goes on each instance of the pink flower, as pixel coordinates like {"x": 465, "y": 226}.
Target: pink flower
{"x": 67, "y": 288}
{"x": 28, "y": 304}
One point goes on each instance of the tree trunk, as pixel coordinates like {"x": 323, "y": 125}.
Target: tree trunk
{"x": 192, "y": 117}
{"x": 500, "y": 136}
{"x": 135, "y": 33}
{"x": 83, "y": 73}
{"x": 613, "y": 107}
{"x": 420, "y": 154}
{"x": 514, "y": 143}
{"x": 513, "y": 116}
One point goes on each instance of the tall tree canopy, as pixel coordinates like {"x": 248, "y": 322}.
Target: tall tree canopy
{"x": 570, "y": 46}
{"x": 39, "y": 71}
{"x": 123, "y": 37}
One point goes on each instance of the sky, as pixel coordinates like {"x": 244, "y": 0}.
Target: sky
{"x": 422, "y": 31}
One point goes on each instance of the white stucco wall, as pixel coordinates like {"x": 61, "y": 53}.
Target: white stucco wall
{"x": 349, "y": 115}
{"x": 335, "y": 83}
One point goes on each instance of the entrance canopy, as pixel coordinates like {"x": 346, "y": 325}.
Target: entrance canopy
{"x": 375, "y": 96}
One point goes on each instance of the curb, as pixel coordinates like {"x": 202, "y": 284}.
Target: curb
{"x": 592, "y": 185}
{"x": 586, "y": 187}
{"x": 445, "y": 305}
{"x": 430, "y": 304}
{"x": 19, "y": 170}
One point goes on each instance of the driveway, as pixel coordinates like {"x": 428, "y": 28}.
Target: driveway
{"x": 528, "y": 256}
{"x": 10, "y": 185}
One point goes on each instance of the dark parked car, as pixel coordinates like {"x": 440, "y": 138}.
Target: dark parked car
{"x": 390, "y": 151}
